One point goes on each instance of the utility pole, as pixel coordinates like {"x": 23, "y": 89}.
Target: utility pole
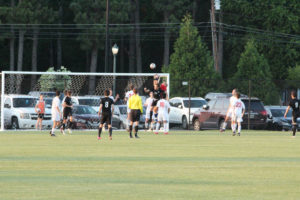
{"x": 220, "y": 43}
{"x": 107, "y": 36}
{"x": 214, "y": 35}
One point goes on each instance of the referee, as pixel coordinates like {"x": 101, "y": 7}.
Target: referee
{"x": 136, "y": 109}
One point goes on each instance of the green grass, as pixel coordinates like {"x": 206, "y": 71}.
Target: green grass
{"x": 182, "y": 165}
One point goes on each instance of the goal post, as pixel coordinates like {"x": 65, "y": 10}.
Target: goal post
{"x": 17, "y": 83}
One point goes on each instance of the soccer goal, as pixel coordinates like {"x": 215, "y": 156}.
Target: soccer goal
{"x": 20, "y": 91}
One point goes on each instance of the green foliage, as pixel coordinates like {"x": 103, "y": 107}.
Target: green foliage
{"x": 91, "y": 13}
{"x": 191, "y": 61}
{"x": 294, "y": 73}
{"x": 49, "y": 82}
{"x": 254, "y": 67}
{"x": 280, "y": 16}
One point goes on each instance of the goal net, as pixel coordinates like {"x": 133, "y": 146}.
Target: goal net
{"x": 20, "y": 92}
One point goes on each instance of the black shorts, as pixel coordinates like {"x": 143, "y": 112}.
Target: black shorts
{"x": 67, "y": 112}
{"x": 41, "y": 115}
{"x": 294, "y": 117}
{"x": 106, "y": 118}
{"x": 135, "y": 115}
{"x": 154, "y": 103}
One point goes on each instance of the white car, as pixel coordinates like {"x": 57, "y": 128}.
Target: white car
{"x": 93, "y": 101}
{"x": 19, "y": 112}
{"x": 179, "y": 111}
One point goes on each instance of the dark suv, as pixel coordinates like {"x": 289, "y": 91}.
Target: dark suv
{"x": 213, "y": 115}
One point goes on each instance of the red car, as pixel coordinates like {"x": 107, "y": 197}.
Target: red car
{"x": 212, "y": 116}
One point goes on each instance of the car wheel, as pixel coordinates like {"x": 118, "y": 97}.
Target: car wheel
{"x": 221, "y": 122}
{"x": 14, "y": 123}
{"x": 197, "y": 125}
{"x": 184, "y": 122}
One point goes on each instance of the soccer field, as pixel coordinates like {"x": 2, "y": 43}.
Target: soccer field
{"x": 182, "y": 165}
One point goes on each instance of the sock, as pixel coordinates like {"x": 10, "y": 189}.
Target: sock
{"x": 52, "y": 131}
{"x": 99, "y": 132}
{"x": 110, "y": 132}
{"x": 157, "y": 126}
{"x": 224, "y": 125}
{"x": 239, "y": 128}
{"x": 136, "y": 129}
{"x": 294, "y": 130}
{"x": 233, "y": 127}
{"x": 146, "y": 124}
{"x": 166, "y": 127}
{"x": 63, "y": 126}
{"x": 151, "y": 125}
{"x": 151, "y": 113}
{"x": 130, "y": 130}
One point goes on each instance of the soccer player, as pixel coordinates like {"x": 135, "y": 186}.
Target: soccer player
{"x": 136, "y": 109}
{"x": 106, "y": 108}
{"x": 229, "y": 111}
{"x": 157, "y": 93}
{"x": 40, "y": 110}
{"x": 67, "y": 112}
{"x": 56, "y": 114}
{"x": 148, "y": 104}
{"x": 294, "y": 104}
{"x": 163, "y": 114}
{"x": 237, "y": 114}
{"x": 127, "y": 97}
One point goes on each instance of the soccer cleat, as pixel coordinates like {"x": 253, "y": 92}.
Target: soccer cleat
{"x": 239, "y": 134}
{"x": 50, "y": 133}
{"x": 99, "y": 138}
{"x": 53, "y": 135}
{"x": 70, "y": 131}
{"x": 233, "y": 134}
{"x": 110, "y": 138}
{"x": 137, "y": 137}
{"x": 63, "y": 132}
{"x": 166, "y": 133}
{"x": 222, "y": 130}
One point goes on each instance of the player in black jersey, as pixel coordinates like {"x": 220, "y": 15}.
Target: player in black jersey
{"x": 67, "y": 112}
{"x": 107, "y": 108}
{"x": 294, "y": 104}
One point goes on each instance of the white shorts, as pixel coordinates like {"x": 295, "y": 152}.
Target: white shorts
{"x": 128, "y": 110}
{"x": 163, "y": 117}
{"x": 237, "y": 117}
{"x": 229, "y": 114}
{"x": 148, "y": 114}
{"x": 55, "y": 116}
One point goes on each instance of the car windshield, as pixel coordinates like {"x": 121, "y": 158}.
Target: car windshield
{"x": 48, "y": 101}
{"x": 280, "y": 113}
{"x": 24, "y": 102}
{"x": 254, "y": 105}
{"x": 84, "y": 110}
{"x": 89, "y": 102}
{"x": 194, "y": 103}
{"x": 123, "y": 110}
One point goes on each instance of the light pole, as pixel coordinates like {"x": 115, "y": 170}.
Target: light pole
{"x": 115, "y": 50}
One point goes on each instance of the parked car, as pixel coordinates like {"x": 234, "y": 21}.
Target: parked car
{"x": 85, "y": 117}
{"x": 120, "y": 113}
{"x": 276, "y": 118}
{"x": 214, "y": 95}
{"x": 179, "y": 111}
{"x": 19, "y": 112}
{"x": 212, "y": 116}
{"x": 93, "y": 101}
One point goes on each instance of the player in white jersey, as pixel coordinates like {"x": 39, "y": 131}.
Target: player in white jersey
{"x": 127, "y": 96}
{"x": 229, "y": 111}
{"x": 237, "y": 114}
{"x": 148, "y": 104}
{"x": 56, "y": 114}
{"x": 163, "y": 114}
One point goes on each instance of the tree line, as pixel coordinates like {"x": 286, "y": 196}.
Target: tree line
{"x": 38, "y": 34}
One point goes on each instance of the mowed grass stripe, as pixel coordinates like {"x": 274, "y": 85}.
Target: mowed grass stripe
{"x": 182, "y": 165}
